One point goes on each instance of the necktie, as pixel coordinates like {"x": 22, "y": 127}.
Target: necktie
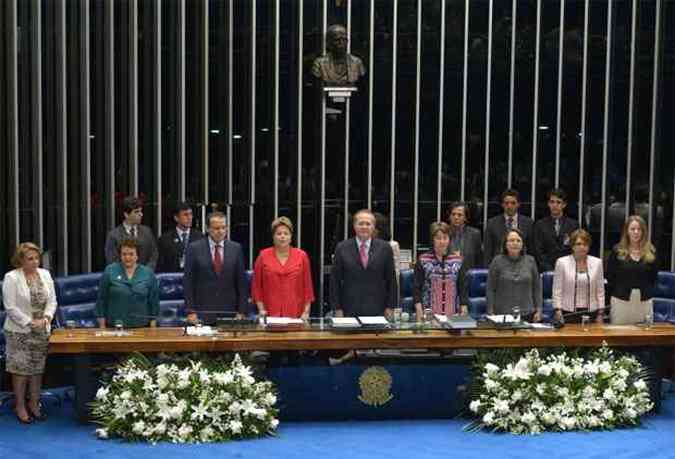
{"x": 363, "y": 253}
{"x": 217, "y": 260}
{"x": 509, "y": 223}
{"x": 184, "y": 242}
{"x": 557, "y": 227}
{"x": 133, "y": 232}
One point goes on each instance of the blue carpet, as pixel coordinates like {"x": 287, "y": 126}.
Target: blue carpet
{"x": 62, "y": 437}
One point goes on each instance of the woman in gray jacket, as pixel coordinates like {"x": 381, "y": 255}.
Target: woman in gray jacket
{"x": 513, "y": 280}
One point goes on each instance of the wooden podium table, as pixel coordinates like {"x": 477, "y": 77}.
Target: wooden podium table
{"x": 151, "y": 340}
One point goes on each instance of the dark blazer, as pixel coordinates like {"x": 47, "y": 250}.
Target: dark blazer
{"x": 147, "y": 246}
{"x": 171, "y": 249}
{"x": 547, "y": 246}
{"x": 472, "y": 247}
{"x": 204, "y": 290}
{"x": 360, "y": 291}
{"x": 494, "y": 233}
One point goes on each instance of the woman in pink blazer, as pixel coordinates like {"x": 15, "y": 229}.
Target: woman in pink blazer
{"x": 579, "y": 282}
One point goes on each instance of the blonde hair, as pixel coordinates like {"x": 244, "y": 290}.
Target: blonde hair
{"x": 647, "y": 250}
{"x": 282, "y": 221}
{"x": 21, "y": 252}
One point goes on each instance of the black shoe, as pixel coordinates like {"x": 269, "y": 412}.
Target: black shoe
{"x": 28, "y": 420}
{"x": 41, "y": 417}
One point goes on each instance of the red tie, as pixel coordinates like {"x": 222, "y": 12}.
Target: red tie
{"x": 217, "y": 260}
{"x": 363, "y": 252}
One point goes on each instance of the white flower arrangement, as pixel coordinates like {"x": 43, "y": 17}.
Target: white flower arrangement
{"x": 189, "y": 403}
{"x": 560, "y": 392}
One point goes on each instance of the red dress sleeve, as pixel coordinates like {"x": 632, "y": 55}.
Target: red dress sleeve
{"x": 308, "y": 285}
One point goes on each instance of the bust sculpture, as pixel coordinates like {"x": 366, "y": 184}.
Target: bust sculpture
{"x": 337, "y": 67}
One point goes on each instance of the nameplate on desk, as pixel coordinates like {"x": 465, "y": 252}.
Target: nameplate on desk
{"x": 113, "y": 333}
{"x": 461, "y": 322}
{"x": 345, "y": 322}
{"x": 373, "y": 321}
{"x": 282, "y": 321}
{"x": 501, "y": 318}
{"x": 200, "y": 331}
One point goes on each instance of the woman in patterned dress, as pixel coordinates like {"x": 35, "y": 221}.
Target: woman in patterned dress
{"x": 30, "y": 302}
{"x": 436, "y": 274}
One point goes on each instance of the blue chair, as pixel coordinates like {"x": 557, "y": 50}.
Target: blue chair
{"x": 547, "y": 293}
{"x": 664, "y": 297}
{"x": 170, "y": 286}
{"x": 77, "y": 299}
{"x": 406, "y": 283}
{"x": 476, "y": 281}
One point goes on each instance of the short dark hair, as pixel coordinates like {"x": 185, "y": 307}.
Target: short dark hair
{"x": 510, "y": 192}
{"x": 213, "y": 215}
{"x": 506, "y": 236}
{"x": 456, "y": 204}
{"x": 128, "y": 243}
{"x": 131, "y": 203}
{"x": 180, "y": 207}
{"x": 558, "y": 193}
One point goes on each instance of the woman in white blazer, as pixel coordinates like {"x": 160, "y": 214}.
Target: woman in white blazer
{"x": 579, "y": 282}
{"x": 30, "y": 302}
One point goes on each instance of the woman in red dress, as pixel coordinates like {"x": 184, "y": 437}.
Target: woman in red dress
{"x": 282, "y": 279}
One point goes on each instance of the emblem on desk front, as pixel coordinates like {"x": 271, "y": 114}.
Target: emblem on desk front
{"x": 375, "y": 384}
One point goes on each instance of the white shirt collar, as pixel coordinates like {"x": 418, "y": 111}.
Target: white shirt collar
{"x": 128, "y": 228}
{"x": 359, "y": 242}
{"x": 515, "y": 220}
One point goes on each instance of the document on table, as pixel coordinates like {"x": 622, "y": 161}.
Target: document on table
{"x": 347, "y": 322}
{"x": 283, "y": 321}
{"x": 441, "y": 318}
{"x": 205, "y": 330}
{"x": 373, "y": 320}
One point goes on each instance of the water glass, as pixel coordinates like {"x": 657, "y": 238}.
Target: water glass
{"x": 71, "y": 325}
{"x": 428, "y": 316}
{"x": 119, "y": 327}
{"x": 585, "y": 322}
{"x": 516, "y": 314}
{"x": 649, "y": 320}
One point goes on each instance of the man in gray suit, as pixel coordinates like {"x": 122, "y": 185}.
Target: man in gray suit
{"x": 214, "y": 283}
{"x": 131, "y": 228}
{"x": 363, "y": 282}
{"x": 464, "y": 239}
{"x": 510, "y": 219}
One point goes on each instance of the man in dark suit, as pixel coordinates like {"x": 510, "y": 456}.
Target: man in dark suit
{"x": 173, "y": 244}
{"x": 131, "y": 228}
{"x": 510, "y": 219}
{"x": 464, "y": 239}
{"x": 363, "y": 282}
{"x": 214, "y": 282}
{"x": 552, "y": 234}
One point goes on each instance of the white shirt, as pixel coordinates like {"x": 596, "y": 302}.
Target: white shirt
{"x": 515, "y": 221}
{"x": 128, "y": 229}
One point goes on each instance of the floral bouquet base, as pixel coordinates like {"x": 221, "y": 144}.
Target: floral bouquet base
{"x": 196, "y": 401}
{"x": 559, "y": 392}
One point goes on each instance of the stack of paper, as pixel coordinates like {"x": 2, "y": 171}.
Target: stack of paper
{"x": 345, "y": 322}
